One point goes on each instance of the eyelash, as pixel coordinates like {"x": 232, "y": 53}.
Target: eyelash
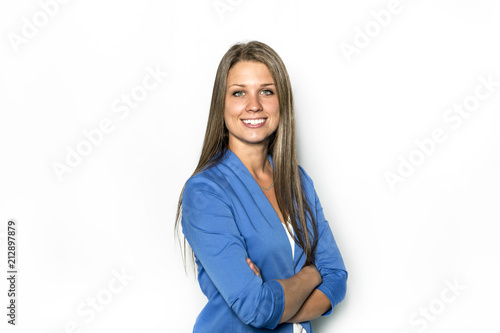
{"x": 267, "y": 90}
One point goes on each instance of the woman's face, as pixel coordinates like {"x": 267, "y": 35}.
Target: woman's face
{"x": 252, "y": 108}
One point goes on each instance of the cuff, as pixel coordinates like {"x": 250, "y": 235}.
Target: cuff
{"x": 334, "y": 287}
{"x": 279, "y": 303}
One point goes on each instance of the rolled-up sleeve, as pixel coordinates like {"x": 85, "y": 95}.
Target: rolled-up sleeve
{"x": 328, "y": 258}
{"x": 209, "y": 226}
{"x": 331, "y": 267}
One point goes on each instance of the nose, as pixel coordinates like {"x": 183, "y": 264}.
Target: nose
{"x": 254, "y": 103}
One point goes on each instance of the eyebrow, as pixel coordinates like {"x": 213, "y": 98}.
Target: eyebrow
{"x": 262, "y": 85}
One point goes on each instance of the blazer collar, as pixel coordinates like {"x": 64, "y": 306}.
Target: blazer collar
{"x": 232, "y": 161}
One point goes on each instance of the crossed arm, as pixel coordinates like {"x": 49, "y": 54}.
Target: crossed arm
{"x": 303, "y": 302}
{"x": 208, "y": 224}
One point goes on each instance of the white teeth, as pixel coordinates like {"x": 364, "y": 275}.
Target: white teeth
{"x": 254, "y": 121}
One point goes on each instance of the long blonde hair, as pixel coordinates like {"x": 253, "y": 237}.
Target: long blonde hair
{"x": 282, "y": 147}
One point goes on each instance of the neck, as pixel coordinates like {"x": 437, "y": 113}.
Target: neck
{"x": 254, "y": 157}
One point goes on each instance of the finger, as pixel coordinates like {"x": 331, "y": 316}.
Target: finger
{"x": 253, "y": 267}
{"x": 256, "y": 271}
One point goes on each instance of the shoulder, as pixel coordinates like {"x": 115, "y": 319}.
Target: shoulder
{"x": 204, "y": 198}
{"x": 208, "y": 182}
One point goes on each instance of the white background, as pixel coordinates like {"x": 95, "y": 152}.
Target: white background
{"x": 356, "y": 117}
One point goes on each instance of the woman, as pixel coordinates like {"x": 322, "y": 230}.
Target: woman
{"x": 258, "y": 273}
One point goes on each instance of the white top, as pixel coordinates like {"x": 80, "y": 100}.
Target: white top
{"x": 297, "y": 328}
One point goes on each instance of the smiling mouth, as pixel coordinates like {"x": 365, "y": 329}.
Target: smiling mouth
{"x": 254, "y": 121}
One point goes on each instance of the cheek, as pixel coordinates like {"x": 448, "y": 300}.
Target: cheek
{"x": 274, "y": 106}
{"x": 232, "y": 111}
{"x": 230, "y": 108}
{"x": 227, "y": 120}
{"x": 230, "y": 117}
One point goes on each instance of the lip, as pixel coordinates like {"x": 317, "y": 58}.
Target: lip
{"x": 256, "y": 125}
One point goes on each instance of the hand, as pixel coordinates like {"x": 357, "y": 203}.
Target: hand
{"x": 254, "y": 267}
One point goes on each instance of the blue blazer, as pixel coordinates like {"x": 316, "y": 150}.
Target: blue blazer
{"x": 226, "y": 218}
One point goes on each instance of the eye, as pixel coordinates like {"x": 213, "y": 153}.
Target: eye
{"x": 238, "y": 93}
{"x": 267, "y": 92}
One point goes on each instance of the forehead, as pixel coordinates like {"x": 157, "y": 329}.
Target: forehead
{"x": 249, "y": 71}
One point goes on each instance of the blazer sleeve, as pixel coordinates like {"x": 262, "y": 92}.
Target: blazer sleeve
{"x": 328, "y": 259}
{"x": 209, "y": 226}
